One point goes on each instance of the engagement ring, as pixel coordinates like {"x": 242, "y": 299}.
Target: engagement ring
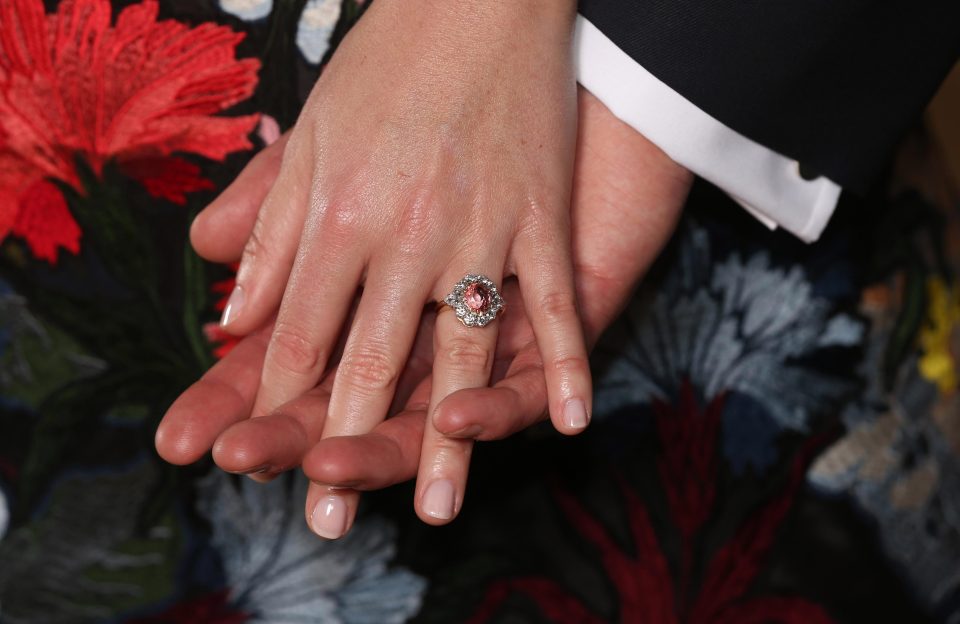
{"x": 475, "y": 299}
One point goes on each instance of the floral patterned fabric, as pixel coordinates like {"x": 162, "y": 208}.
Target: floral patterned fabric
{"x": 777, "y": 431}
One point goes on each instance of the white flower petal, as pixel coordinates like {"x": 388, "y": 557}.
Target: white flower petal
{"x": 317, "y": 22}
{"x": 281, "y": 572}
{"x": 732, "y": 325}
{"x": 247, "y": 10}
{"x": 842, "y": 331}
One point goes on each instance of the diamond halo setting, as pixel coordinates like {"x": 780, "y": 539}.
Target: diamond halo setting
{"x": 475, "y": 300}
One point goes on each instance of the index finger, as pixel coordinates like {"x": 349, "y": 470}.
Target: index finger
{"x": 222, "y": 397}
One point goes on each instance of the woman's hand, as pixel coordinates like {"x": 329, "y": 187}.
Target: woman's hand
{"x": 438, "y": 142}
{"x": 627, "y": 197}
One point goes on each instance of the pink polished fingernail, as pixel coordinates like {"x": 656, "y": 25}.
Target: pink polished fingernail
{"x": 438, "y": 500}
{"x": 234, "y": 306}
{"x": 575, "y": 414}
{"x": 329, "y": 517}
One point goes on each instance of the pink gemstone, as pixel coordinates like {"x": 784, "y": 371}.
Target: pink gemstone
{"x": 477, "y": 297}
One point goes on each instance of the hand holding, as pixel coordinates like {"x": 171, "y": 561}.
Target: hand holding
{"x": 627, "y": 197}
{"x": 437, "y": 143}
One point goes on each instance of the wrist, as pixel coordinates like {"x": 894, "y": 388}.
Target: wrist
{"x": 543, "y": 15}
{"x": 488, "y": 22}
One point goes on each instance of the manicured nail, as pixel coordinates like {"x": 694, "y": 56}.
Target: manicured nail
{"x": 329, "y": 517}
{"x": 438, "y": 500}
{"x": 234, "y": 306}
{"x": 575, "y": 414}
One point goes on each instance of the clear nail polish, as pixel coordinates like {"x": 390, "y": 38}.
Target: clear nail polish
{"x": 439, "y": 500}
{"x": 575, "y": 414}
{"x": 329, "y": 517}
{"x": 234, "y": 306}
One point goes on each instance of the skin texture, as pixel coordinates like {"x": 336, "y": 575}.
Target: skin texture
{"x": 438, "y": 142}
{"x": 627, "y": 197}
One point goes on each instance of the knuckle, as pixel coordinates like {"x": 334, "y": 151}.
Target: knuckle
{"x": 255, "y": 249}
{"x": 449, "y": 419}
{"x": 571, "y": 365}
{"x": 462, "y": 353}
{"x": 452, "y": 452}
{"x": 558, "y": 306}
{"x": 293, "y": 351}
{"x": 337, "y": 220}
{"x": 370, "y": 370}
{"x": 328, "y": 470}
{"x": 342, "y": 215}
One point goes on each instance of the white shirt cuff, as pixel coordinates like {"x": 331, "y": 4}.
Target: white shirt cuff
{"x": 764, "y": 182}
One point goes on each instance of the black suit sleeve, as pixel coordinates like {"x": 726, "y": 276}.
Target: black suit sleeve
{"x": 831, "y": 83}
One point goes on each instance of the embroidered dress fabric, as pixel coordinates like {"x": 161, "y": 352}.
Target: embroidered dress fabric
{"x": 776, "y": 431}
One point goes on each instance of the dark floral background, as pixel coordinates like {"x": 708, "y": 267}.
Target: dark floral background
{"x": 778, "y": 425}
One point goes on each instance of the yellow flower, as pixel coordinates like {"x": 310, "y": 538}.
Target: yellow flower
{"x": 939, "y": 363}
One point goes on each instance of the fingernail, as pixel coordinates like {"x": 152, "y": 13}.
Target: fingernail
{"x": 438, "y": 500}
{"x": 234, "y": 306}
{"x": 251, "y": 471}
{"x": 575, "y": 414}
{"x": 260, "y": 477}
{"x": 468, "y": 432}
{"x": 329, "y": 517}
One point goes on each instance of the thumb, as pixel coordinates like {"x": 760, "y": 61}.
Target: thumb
{"x": 220, "y": 231}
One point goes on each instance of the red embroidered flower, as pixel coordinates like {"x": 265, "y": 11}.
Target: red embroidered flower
{"x": 224, "y": 342}
{"x": 648, "y": 590}
{"x": 73, "y": 85}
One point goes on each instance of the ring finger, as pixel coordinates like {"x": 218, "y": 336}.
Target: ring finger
{"x": 465, "y": 339}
